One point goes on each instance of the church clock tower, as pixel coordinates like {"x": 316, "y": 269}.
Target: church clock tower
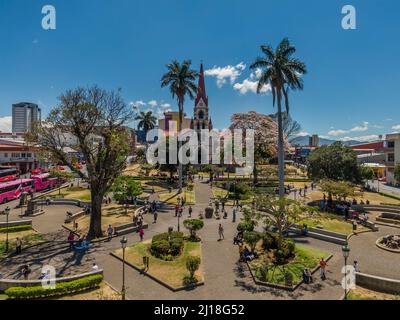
{"x": 201, "y": 118}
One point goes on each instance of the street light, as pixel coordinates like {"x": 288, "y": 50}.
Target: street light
{"x": 7, "y": 213}
{"x": 179, "y": 224}
{"x": 346, "y": 253}
{"x": 123, "y": 246}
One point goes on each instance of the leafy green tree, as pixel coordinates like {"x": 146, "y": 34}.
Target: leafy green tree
{"x": 61, "y": 175}
{"x": 91, "y": 121}
{"x": 397, "y": 173}
{"x": 180, "y": 80}
{"x": 252, "y": 238}
{"x": 338, "y": 189}
{"x": 367, "y": 173}
{"x": 334, "y": 162}
{"x": 192, "y": 265}
{"x": 126, "y": 187}
{"x": 281, "y": 213}
{"x": 282, "y": 73}
{"x": 146, "y": 121}
{"x": 193, "y": 225}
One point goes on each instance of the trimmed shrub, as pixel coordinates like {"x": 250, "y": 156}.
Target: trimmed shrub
{"x": 62, "y": 288}
{"x": 160, "y": 248}
{"x": 289, "y": 279}
{"x": 24, "y": 227}
{"x": 286, "y": 252}
{"x": 167, "y": 245}
{"x": 252, "y": 238}
{"x": 193, "y": 225}
{"x": 270, "y": 241}
{"x": 245, "y": 226}
{"x": 192, "y": 265}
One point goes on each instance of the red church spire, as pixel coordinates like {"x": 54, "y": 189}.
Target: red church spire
{"x": 201, "y": 90}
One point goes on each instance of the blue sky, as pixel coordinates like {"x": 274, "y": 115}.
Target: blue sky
{"x": 351, "y": 89}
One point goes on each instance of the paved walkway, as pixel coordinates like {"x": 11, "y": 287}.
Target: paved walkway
{"x": 225, "y": 278}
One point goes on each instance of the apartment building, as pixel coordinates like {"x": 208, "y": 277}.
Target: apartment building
{"x": 392, "y": 156}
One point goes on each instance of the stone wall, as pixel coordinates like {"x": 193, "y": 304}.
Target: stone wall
{"x": 378, "y": 284}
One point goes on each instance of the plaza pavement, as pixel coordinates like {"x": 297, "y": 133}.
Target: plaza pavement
{"x": 225, "y": 278}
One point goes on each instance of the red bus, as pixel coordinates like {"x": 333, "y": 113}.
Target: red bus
{"x": 44, "y": 181}
{"x": 8, "y": 174}
{"x": 12, "y": 190}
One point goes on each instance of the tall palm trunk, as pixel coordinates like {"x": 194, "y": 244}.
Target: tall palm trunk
{"x": 281, "y": 150}
{"x": 180, "y": 167}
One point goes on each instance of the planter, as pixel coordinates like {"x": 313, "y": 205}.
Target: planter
{"x": 209, "y": 212}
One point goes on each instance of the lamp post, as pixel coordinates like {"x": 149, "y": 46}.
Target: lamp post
{"x": 7, "y": 212}
{"x": 123, "y": 246}
{"x": 179, "y": 219}
{"x": 346, "y": 253}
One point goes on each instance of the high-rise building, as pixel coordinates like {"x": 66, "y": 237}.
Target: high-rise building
{"x": 314, "y": 141}
{"x": 24, "y": 115}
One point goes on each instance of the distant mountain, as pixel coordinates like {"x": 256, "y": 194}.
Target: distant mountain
{"x": 304, "y": 141}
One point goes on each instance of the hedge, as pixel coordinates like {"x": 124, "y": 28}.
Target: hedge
{"x": 16, "y": 228}
{"x": 62, "y": 288}
{"x": 389, "y": 195}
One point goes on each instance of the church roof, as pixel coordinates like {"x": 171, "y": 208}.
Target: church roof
{"x": 201, "y": 90}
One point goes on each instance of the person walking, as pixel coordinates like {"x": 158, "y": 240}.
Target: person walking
{"x": 155, "y": 216}
{"x": 141, "y": 234}
{"x": 323, "y": 265}
{"x": 71, "y": 239}
{"x": 221, "y": 232}
{"x": 190, "y": 211}
{"x": 234, "y": 215}
{"x": 356, "y": 266}
{"x": 110, "y": 232}
{"x": 18, "y": 246}
{"x": 176, "y": 210}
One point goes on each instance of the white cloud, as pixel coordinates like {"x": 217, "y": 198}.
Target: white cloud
{"x": 397, "y": 127}
{"x": 165, "y": 105}
{"x": 137, "y": 104}
{"x": 250, "y": 85}
{"x": 152, "y": 103}
{"x": 337, "y": 132}
{"x": 362, "y": 138}
{"x": 224, "y": 73}
{"x": 5, "y": 124}
{"x": 303, "y": 134}
{"x": 362, "y": 128}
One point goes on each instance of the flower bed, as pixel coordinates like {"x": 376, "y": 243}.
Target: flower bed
{"x": 276, "y": 275}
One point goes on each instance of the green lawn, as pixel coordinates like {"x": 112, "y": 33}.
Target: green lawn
{"x": 172, "y": 198}
{"x": 330, "y": 222}
{"x": 305, "y": 257}
{"x": 171, "y": 272}
{"x": 77, "y": 193}
{"x": 364, "y": 294}
{"x": 28, "y": 238}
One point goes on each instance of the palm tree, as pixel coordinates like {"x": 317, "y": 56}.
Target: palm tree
{"x": 180, "y": 79}
{"x": 281, "y": 72}
{"x": 146, "y": 121}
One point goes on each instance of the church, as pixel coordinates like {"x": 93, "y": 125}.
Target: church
{"x": 201, "y": 118}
